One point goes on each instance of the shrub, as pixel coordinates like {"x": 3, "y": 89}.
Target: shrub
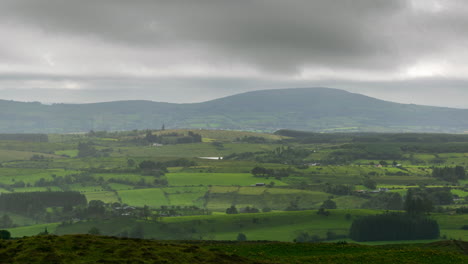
{"x": 5, "y": 234}
{"x": 241, "y": 237}
{"x": 328, "y": 204}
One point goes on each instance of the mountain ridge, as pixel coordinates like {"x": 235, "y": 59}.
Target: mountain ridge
{"x": 313, "y": 109}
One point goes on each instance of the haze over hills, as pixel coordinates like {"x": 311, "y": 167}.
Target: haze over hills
{"x": 311, "y": 109}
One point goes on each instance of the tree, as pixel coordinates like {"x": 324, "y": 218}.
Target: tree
{"x": 241, "y": 237}
{"x": 148, "y": 165}
{"x": 249, "y": 209}
{"x": 86, "y": 150}
{"x": 394, "y": 226}
{"x": 94, "y": 231}
{"x": 259, "y": 171}
{"x": 417, "y": 202}
{"x": 385, "y": 201}
{"x": 338, "y": 189}
{"x": 449, "y": 174}
{"x": 348, "y": 216}
{"x": 96, "y": 208}
{"x": 5, "y": 234}
{"x": 137, "y": 231}
{"x": 43, "y": 233}
{"x": 331, "y": 235}
{"x": 324, "y": 212}
{"x": 328, "y": 204}
{"x": 293, "y": 205}
{"x": 305, "y": 237}
{"x": 440, "y": 196}
{"x": 232, "y": 210}
{"x": 369, "y": 183}
{"x": 146, "y": 212}
{"x": 383, "y": 163}
{"x": 6, "y": 221}
{"x": 130, "y": 163}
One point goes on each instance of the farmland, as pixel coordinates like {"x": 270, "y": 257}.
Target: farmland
{"x": 169, "y": 192}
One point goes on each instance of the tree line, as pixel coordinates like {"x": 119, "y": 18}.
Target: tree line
{"x": 25, "y": 137}
{"x": 410, "y": 225}
{"x": 393, "y": 226}
{"x": 29, "y": 203}
{"x": 450, "y": 174}
{"x": 173, "y": 138}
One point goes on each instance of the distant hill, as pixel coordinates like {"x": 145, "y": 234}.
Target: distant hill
{"x": 308, "y": 109}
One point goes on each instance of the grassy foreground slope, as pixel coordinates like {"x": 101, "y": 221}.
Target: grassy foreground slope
{"x": 99, "y": 249}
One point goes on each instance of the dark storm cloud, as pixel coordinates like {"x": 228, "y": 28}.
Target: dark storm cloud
{"x": 273, "y": 34}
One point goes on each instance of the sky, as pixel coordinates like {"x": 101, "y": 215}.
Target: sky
{"x": 407, "y": 51}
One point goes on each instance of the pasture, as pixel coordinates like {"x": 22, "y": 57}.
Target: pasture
{"x": 197, "y": 179}
{"x": 113, "y": 174}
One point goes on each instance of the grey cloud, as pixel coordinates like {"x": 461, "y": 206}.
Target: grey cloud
{"x": 273, "y": 35}
{"x": 276, "y": 36}
{"x": 428, "y": 91}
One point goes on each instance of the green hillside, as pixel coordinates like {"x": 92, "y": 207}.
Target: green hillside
{"x": 100, "y": 249}
{"x": 313, "y": 109}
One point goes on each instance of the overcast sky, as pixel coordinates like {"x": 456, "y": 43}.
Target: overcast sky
{"x": 410, "y": 51}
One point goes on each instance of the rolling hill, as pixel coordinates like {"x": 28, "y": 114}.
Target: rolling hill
{"x": 310, "y": 109}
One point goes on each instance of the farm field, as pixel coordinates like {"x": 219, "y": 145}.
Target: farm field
{"x": 280, "y": 226}
{"x": 275, "y": 183}
{"x": 194, "y": 179}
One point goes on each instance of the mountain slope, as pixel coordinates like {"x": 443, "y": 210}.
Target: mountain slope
{"x": 316, "y": 109}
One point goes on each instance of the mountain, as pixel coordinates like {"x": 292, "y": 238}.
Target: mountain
{"x": 311, "y": 109}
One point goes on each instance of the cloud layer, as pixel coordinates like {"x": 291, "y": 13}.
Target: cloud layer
{"x": 208, "y": 48}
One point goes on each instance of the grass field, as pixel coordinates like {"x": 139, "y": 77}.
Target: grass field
{"x": 282, "y": 226}
{"x": 10, "y": 175}
{"x": 38, "y": 189}
{"x": 215, "y": 185}
{"x": 134, "y": 178}
{"x": 195, "y": 179}
{"x": 460, "y": 193}
{"x": 107, "y": 197}
{"x": 450, "y": 225}
{"x": 120, "y": 186}
{"x": 69, "y": 152}
{"x": 193, "y": 150}
{"x": 223, "y": 135}
{"x": 154, "y": 197}
{"x": 32, "y": 230}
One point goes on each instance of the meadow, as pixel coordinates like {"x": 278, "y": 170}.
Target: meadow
{"x": 275, "y": 226}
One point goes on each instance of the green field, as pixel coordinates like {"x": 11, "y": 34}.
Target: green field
{"x": 196, "y": 179}
{"x": 188, "y": 196}
{"x": 281, "y": 226}
{"x": 151, "y": 197}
